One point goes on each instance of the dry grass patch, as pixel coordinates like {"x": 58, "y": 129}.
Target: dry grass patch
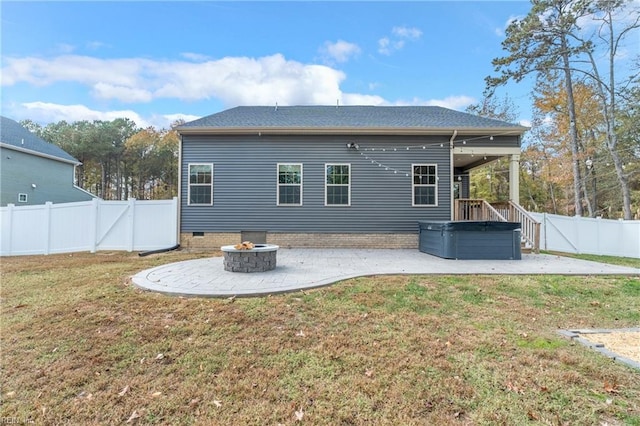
{"x": 82, "y": 346}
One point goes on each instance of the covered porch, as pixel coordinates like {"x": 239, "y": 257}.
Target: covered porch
{"x": 465, "y": 208}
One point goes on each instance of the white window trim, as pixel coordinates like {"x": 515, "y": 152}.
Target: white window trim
{"x": 189, "y": 184}
{"x": 26, "y": 197}
{"x": 413, "y": 186}
{"x": 278, "y": 184}
{"x": 326, "y": 185}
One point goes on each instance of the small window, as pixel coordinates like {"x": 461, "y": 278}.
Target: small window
{"x": 22, "y": 198}
{"x": 200, "y": 184}
{"x": 337, "y": 184}
{"x": 289, "y": 184}
{"x": 425, "y": 188}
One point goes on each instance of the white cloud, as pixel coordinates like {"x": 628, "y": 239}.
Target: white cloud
{"x": 123, "y": 93}
{"x": 196, "y": 57}
{"x": 407, "y": 32}
{"x": 95, "y": 45}
{"x": 63, "y": 48}
{"x": 501, "y": 32}
{"x": 388, "y": 45}
{"x": 172, "y": 118}
{"x": 458, "y": 102}
{"x": 359, "y": 99}
{"x": 234, "y": 80}
{"x": 45, "y": 112}
{"x": 340, "y": 51}
{"x": 383, "y": 46}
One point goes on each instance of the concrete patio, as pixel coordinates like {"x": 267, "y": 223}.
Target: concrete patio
{"x": 299, "y": 269}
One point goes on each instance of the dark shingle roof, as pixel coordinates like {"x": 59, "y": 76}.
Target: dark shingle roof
{"x": 12, "y": 133}
{"x": 332, "y": 117}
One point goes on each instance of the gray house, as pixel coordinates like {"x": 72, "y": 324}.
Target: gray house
{"x": 332, "y": 176}
{"x": 33, "y": 171}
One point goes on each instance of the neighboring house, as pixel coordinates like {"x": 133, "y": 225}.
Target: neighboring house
{"x": 331, "y": 176}
{"x": 33, "y": 171}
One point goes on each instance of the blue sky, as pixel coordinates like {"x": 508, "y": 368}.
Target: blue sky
{"x": 155, "y": 62}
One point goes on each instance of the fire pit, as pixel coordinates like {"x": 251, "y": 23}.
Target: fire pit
{"x": 258, "y": 258}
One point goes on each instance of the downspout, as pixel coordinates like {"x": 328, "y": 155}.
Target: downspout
{"x": 179, "y": 221}
{"x": 452, "y": 201}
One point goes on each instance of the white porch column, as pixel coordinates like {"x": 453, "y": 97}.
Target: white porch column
{"x": 514, "y": 178}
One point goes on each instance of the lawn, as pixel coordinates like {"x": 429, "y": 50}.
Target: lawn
{"x": 81, "y": 345}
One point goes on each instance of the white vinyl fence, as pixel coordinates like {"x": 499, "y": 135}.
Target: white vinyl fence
{"x": 88, "y": 226}
{"x": 588, "y": 235}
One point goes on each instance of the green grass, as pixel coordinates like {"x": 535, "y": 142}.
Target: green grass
{"x": 613, "y": 260}
{"x": 80, "y": 345}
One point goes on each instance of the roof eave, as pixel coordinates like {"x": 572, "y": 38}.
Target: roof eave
{"x": 40, "y": 154}
{"x": 519, "y": 130}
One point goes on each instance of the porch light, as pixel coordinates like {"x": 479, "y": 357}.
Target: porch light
{"x": 589, "y": 163}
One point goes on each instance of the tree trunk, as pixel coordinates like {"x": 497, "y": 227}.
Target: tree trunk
{"x": 573, "y": 131}
{"x": 608, "y": 101}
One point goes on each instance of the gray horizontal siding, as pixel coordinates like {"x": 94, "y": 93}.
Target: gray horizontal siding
{"x": 245, "y": 184}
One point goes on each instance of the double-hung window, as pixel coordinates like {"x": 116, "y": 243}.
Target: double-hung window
{"x": 200, "y": 184}
{"x": 289, "y": 184}
{"x": 337, "y": 184}
{"x": 425, "y": 184}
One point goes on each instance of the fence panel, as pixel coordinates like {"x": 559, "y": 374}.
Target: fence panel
{"x": 88, "y": 226}
{"x": 69, "y": 224}
{"x": 589, "y": 235}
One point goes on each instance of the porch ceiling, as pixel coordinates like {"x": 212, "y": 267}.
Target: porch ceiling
{"x": 471, "y": 161}
{"x": 470, "y": 158}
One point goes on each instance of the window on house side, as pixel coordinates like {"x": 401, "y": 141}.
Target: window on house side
{"x": 200, "y": 184}
{"x": 289, "y": 184}
{"x": 337, "y": 184}
{"x": 425, "y": 187}
{"x": 22, "y": 198}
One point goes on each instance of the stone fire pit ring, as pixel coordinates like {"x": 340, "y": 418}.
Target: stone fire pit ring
{"x": 261, "y": 258}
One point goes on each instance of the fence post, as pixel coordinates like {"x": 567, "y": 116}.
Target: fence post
{"x": 544, "y": 233}
{"x": 576, "y": 231}
{"x": 10, "y": 237}
{"x": 598, "y": 230}
{"x": 47, "y": 227}
{"x": 130, "y": 223}
{"x": 93, "y": 225}
{"x": 176, "y": 220}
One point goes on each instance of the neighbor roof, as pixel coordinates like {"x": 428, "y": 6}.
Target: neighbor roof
{"x": 416, "y": 119}
{"x": 13, "y": 135}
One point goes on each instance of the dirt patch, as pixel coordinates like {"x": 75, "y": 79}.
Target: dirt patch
{"x": 623, "y": 343}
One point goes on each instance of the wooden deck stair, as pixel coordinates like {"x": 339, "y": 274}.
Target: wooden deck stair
{"x": 507, "y": 211}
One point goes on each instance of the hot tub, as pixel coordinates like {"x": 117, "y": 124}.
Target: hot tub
{"x": 470, "y": 239}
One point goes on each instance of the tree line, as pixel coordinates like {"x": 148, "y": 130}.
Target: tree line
{"x": 119, "y": 160}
